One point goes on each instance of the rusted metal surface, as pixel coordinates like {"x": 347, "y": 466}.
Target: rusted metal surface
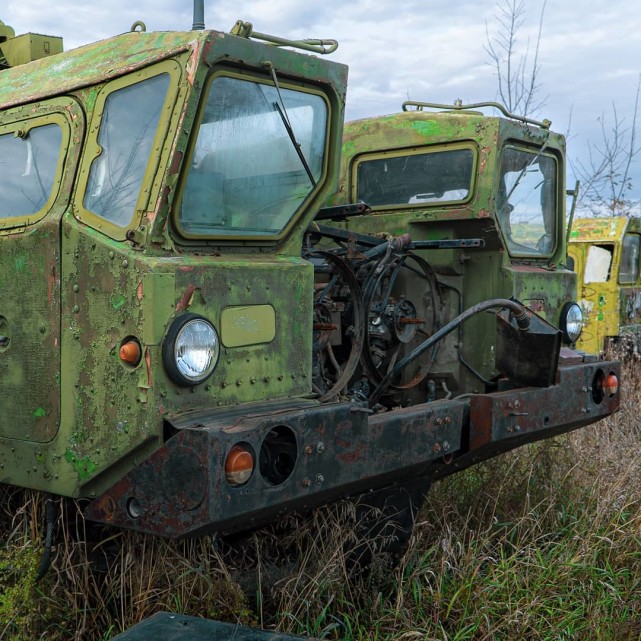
{"x": 165, "y": 626}
{"x": 340, "y": 450}
{"x": 506, "y": 420}
{"x": 527, "y": 415}
{"x": 527, "y": 357}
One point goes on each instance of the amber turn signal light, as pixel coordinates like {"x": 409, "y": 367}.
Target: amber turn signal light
{"x": 239, "y": 465}
{"x": 130, "y": 352}
{"x": 611, "y": 384}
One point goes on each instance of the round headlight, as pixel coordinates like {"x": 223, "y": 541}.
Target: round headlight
{"x": 190, "y": 349}
{"x": 571, "y": 322}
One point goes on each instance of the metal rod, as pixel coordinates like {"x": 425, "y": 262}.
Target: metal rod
{"x": 199, "y": 15}
{"x": 575, "y": 197}
{"x": 459, "y": 106}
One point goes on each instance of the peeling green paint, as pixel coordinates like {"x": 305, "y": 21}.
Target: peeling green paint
{"x": 118, "y": 301}
{"x": 79, "y": 292}
{"x": 348, "y": 147}
{"x": 425, "y": 127}
{"x": 475, "y": 275}
{"x": 84, "y": 466}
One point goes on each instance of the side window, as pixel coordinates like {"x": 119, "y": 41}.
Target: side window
{"x": 424, "y": 179}
{"x": 127, "y": 130}
{"x": 629, "y": 269}
{"x": 526, "y": 202}
{"x": 29, "y": 161}
{"x": 598, "y": 264}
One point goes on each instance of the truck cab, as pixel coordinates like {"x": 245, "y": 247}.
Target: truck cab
{"x": 605, "y": 254}
{"x": 152, "y": 210}
{"x": 494, "y": 185}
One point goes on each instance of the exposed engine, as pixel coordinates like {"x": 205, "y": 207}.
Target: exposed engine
{"x": 375, "y": 300}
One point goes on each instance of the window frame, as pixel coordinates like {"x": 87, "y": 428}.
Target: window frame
{"x": 416, "y": 150}
{"x": 93, "y": 149}
{"x": 638, "y": 261}
{"x": 57, "y": 112}
{"x": 184, "y": 237}
{"x": 532, "y": 254}
{"x": 608, "y": 246}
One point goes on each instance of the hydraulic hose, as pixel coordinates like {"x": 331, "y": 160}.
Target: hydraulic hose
{"x": 520, "y": 316}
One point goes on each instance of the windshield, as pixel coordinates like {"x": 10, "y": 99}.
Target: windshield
{"x": 246, "y": 176}
{"x": 526, "y": 204}
{"x": 417, "y": 178}
{"x": 28, "y": 164}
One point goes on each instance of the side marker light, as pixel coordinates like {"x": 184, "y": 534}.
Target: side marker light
{"x": 130, "y": 352}
{"x": 611, "y": 384}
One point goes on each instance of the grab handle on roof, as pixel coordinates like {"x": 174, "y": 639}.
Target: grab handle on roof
{"x": 246, "y": 30}
{"x": 459, "y": 106}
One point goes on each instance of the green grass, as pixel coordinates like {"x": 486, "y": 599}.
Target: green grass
{"x": 541, "y": 544}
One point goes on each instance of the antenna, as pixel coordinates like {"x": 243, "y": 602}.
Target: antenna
{"x": 199, "y": 15}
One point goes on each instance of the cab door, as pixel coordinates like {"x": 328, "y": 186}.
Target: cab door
{"x": 598, "y": 293}
{"x": 629, "y": 273}
{"x": 38, "y": 154}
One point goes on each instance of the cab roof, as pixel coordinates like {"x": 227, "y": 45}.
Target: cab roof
{"x": 409, "y": 128}
{"x": 607, "y": 228}
{"x": 94, "y": 63}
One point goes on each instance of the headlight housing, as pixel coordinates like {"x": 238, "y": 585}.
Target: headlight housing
{"x": 571, "y": 322}
{"x": 190, "y": 350}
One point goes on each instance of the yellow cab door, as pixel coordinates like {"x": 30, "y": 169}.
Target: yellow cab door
{"x": 594, "y": 263}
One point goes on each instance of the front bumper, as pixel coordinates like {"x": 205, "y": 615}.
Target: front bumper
{"x": 334, "y": 451}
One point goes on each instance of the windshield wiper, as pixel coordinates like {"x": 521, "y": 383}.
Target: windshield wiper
{"x": 292, "y": 137}
{"x": 282, "y": 111}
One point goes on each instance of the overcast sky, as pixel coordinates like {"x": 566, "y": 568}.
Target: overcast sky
{"x": 431, "y": 50}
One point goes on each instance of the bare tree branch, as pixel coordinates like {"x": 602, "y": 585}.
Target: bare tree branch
{"x": 606, "y": 177}
{"x": 517, "y": 78}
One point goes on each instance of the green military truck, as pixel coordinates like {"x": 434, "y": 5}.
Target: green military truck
{"x": 482, "y": 202}
{"x": 193, "y": 343}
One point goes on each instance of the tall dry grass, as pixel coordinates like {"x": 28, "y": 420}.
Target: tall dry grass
{"x": 543, "y": 543}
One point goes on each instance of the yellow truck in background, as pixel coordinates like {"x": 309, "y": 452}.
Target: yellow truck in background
{"x": 605, "y": 254}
